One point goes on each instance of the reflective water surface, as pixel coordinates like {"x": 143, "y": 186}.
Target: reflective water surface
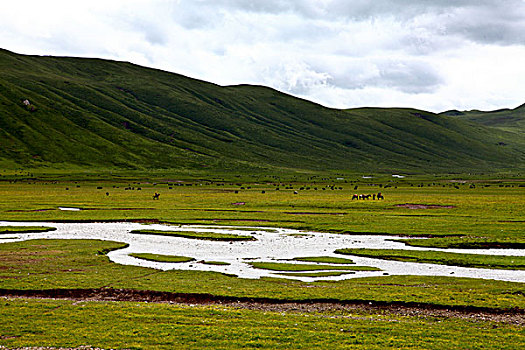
{"x": 272, "y": 245}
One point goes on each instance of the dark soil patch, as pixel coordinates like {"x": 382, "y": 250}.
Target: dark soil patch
{"x": 247, "y": 220}
{"x": 231, "y": 210}
{"x": 311, "y": 213}
{"x": 424, "y": 206}
{"x": 513, "y": 316}
{"x": 27, "y": 210}
{"x": 119, "y": 209}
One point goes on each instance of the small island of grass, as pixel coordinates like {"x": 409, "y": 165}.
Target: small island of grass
{"x": 441, "y": 258}
{"x": 162, "y": 258}
{"x": 216, "y": 263}
{"x": 466, "y": 243}
{"x": 307, "y": 267}
{"x": 25, "y": 229}
{"x": 325, "y": 260}
{"x": 208, "y": 236}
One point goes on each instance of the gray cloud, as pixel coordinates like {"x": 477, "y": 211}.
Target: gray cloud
{"x": 504, "y": 24}
{"x": 484, "y": 21}
{"x": 407, "y": 76}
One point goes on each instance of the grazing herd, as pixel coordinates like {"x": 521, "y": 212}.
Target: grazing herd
{"x": 374, "y": 196}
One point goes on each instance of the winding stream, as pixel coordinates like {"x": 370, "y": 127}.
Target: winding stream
{"x": 272, "y": 245}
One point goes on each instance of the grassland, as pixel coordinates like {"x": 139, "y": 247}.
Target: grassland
{"x": 472, "y": 209}
{"x": 24, "y": 229}
{"x": 481, "y": 209}
{"x": 129, "y": 325}
{"x": 82, "y": 264}
{"x": 442, "y": 258}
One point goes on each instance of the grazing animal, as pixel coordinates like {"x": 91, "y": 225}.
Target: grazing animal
{"x": 156, "y": 195}
{"x": 355, "y": 196}
{"x": 380, "y": 196}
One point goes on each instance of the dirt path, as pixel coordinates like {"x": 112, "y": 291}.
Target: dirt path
{"x": 514, "y": 316}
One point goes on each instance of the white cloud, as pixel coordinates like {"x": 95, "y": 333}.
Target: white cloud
{"x": 428, "y": 54}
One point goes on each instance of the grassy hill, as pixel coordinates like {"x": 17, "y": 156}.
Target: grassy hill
{"x": 512, "y": 120}
{"x": 94, "y": 113}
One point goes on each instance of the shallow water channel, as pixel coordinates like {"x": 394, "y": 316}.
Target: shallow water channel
{"x": 272, "y": 245}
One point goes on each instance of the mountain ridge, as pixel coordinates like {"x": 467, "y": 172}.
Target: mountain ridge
{"x": 507, "y": 119}
{"x": 91, "y": 113}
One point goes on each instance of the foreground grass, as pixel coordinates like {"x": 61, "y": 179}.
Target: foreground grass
{"x": 206, "y": 236}
{"x": 162, "y": 258}
{"x": 442, "y": 258}
{"x": 163, "y": 326}
{"x": 44, "y": 264}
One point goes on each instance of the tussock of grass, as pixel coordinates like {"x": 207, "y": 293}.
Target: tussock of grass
{"x": 325, "y": 260}
{"x": 207, "y": 236}
{"x": 218, "y": 263}
{"x": 162, "y": 258}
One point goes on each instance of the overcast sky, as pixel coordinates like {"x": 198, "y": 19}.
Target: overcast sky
{"x": 428, "y": 54}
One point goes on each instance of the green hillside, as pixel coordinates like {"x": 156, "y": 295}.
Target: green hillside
{"x": 96, "y": 113}
{"x": 512, "y": 120}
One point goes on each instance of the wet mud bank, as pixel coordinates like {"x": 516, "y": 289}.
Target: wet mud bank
{"x": 513, "y": 315}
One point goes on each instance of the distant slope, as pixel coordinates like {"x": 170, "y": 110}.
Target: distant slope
{"x": 98, "y": 113}
{"x": 512, "y": 120}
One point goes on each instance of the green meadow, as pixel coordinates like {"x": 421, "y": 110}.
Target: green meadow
{"x": 459, "y": 210}
{"x": 442, "y": 258}
{"x": 437, "y": 211}
{"x": 127, "y": 325}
